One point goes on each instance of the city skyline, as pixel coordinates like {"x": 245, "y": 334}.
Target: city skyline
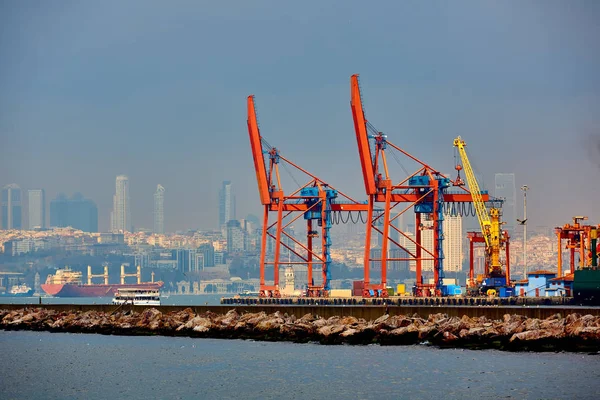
{"x": 69, "y": 120}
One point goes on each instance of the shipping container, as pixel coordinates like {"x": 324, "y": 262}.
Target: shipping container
{"x": 449, "y": 281}
{"x": 400, "y": 288}
{"x": 340, "y": 293}
{"x": 358, "y": 284}
{"x": 357, "y": 292}
{"x": 390, "y": 290}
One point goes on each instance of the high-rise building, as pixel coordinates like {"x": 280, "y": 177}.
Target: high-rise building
{"x": 452, "y": 245}
{"x": 120, "y": 217}
{"x": 159, "y": 216}
{"x": 76, "y": 212}
{"x": 506, "y": 189}
{"x": 208, "y": 255}
{"x": 408, "y": 242}
{"x": 453, "y": 239}
{"x": 37, "y": 208}
{"x": 226, "y": 204}
{"x": 11, "y": 207}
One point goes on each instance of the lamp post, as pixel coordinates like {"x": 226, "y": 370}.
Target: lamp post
{"x": 524, "y": 188}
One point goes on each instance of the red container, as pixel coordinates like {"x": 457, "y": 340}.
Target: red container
{"x": 358, "y": 285}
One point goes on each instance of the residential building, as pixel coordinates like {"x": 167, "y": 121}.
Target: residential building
{"x": 452, "y": 245}
{"x": 11, "y": 207}
{"x": 208, "y": 254}
{"x": 159, "y": 215}
{"x": 453, "y": 239}
{"x": 37, "y": 208}
{"x": 120, "y": 217}
{"x": 236, "y": 236}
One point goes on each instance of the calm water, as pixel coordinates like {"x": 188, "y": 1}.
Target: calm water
{"x": 42, "y": 365}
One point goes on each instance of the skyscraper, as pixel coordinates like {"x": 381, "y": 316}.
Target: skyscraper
{"x": 452, "y": 245}
{"x": 505, "y": 188}
{"x": 76, "y": 212}
{"x": 120, "y": 217}
{"x": 37, "y": 208}
{"x": 226, "y": 204}
{"x": 159, "y": 211}
{"x": 11, "y": 207}
{"x": 453, "y": 238}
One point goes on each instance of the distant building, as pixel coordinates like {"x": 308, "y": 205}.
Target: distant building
{"x": 452, "y": 245}
{"x": 159, "y": 212}
{"x": 408, "y": 242}
{"x": 236, "y": 236}
{"x": 226, "y": 204}
{"x": 506, "y": 189}
{"x": 398, "y": 265}
{"x": 208, "y": 255}
{"x": 453, "y": 240}
{"x": 11, "y": 207}
{"x": 37, "y": 208}
{"x": 120, "y": 217}
{"x": 393, "y": 233}
{"x": 76, "y": 212}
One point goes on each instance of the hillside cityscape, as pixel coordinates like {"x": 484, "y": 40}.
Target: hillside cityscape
{"x": 224, "y": 258}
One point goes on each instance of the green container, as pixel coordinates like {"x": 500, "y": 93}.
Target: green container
{"x": 586, "y": 286}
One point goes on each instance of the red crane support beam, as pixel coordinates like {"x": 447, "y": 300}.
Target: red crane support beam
{"x": 257, "y": 153}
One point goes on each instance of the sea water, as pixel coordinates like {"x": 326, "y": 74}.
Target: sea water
{"x": 43, "y": 365}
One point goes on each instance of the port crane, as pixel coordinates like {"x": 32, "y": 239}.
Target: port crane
{"x": 490, "y": 225}
{"x": 580, "y": 239}
{"x": 316, "y": 202}
{"x": 425, "y": 191}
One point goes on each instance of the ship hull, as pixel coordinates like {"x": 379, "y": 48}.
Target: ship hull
{"x": 75, "y": 290}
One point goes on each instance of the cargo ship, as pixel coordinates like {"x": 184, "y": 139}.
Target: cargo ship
{"x": 67, "y": 283}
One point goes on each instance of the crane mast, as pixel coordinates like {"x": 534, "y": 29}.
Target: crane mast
{"x": 489, "y": 222}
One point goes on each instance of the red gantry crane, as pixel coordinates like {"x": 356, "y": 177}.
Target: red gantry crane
{"x": 425, "y": 191}
{"x": 316, "y": 202}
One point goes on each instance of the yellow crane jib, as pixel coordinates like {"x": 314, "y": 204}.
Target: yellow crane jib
{"x": 489, "y": 222}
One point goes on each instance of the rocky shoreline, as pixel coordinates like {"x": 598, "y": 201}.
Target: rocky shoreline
{"x": 573, "y": 332}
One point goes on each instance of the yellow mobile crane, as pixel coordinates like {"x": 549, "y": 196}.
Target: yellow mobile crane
{"x": 489, "y": 222}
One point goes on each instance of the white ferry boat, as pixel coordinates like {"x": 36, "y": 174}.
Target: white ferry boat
{"x": 137, "y": 297}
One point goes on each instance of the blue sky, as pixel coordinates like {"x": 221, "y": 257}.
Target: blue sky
{"x": 156, "y": 90}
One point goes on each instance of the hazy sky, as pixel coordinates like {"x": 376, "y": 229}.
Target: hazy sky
{"x": 156, "y": 90}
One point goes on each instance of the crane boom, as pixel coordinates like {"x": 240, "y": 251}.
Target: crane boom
{"x": 257, "y": 153}
{"x": 490, "y": 227}
{"x": 362, "y": 136}
{"x": 482, "y": 214}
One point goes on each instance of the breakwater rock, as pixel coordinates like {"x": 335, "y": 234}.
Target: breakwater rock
{"x": 573, "y": 332}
